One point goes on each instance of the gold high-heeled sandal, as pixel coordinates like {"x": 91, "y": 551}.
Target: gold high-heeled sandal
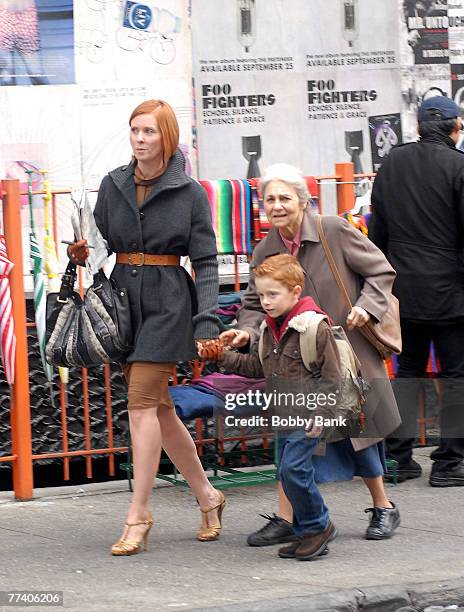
{"x": 210, "y": 533}
{"x": 125, "y": 547}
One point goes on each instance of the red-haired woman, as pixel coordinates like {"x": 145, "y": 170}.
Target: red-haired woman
{"x": 151, "y": 213}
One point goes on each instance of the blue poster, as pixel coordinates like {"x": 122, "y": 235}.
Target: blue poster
{"x": 36, "y": 42}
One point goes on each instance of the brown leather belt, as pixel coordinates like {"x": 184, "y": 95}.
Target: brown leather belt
{"x": 147, "y": 259}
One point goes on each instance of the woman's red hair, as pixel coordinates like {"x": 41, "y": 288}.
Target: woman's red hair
{"x": 167, "y": 123}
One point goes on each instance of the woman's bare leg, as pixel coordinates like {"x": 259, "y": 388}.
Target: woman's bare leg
{"x": 146, "y": 450}
{"x": 144, "y": 392}
{"x": 285, "y": 510}
{"x": 181, "y": 449}
{"x": 377, "y": 491}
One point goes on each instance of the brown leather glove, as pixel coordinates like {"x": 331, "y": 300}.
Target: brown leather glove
{"x": 210, "y": 350}
{"x": 78, "y": 252}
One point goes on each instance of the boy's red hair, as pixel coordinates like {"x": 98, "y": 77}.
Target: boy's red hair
{"x": 283, "y": 268}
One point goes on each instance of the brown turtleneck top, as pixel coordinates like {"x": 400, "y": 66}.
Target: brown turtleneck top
{"x": 144, "y": 186}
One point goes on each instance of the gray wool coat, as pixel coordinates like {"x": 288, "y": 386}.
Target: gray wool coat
{"x": 368, "y": 277}
{"x": 175, "y": 219}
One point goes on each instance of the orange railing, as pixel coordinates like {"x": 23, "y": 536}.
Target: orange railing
{"x": 22, "y": 456}
{"x": 21, "y": 439}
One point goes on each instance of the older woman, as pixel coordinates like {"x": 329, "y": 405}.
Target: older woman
{"x": 151, "y": 213}
{"x": 368, "y": 278}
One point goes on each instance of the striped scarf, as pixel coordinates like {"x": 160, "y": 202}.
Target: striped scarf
{"x": 230, "y": 203}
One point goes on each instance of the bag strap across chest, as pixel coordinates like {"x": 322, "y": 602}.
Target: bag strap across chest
{"x": 331, "y": 262}
{"x": 308, "y": 345}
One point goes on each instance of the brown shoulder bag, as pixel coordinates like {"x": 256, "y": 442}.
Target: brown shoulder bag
{"x": 385, "y": 335}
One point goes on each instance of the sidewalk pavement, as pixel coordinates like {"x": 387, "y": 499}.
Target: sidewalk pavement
{"x": 61, "y": 540}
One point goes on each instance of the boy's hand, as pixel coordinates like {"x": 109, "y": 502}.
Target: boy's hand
{"x": 235, "y": 338}
{"x": 357, "y": 317}
{"x": 314, "y": 431}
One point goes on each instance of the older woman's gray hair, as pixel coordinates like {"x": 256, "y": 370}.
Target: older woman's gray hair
{"x": 287, "y": 174}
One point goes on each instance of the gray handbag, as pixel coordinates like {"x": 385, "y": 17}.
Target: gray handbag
{"x": 90, "y": 331}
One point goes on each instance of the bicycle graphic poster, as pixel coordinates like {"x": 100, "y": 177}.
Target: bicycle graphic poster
{"x": 136, "y": 39}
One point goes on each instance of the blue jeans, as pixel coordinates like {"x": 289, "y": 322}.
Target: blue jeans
{"x": 296, "y": 473}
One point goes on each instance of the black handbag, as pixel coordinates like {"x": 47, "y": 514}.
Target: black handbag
{"x": 90, "y": 331}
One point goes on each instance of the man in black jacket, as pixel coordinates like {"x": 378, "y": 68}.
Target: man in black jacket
{"x": 418, "y": 222}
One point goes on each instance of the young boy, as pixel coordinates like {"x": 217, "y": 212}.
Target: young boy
{"x": 279, "y": 283}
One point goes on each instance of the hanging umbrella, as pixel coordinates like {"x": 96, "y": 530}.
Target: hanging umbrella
{"x": 7, "y": 335}
{"x": 51, "y": 260}
{"x": 39, "y": 283}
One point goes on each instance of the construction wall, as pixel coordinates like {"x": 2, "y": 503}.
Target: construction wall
{"x": 313, "y": 81}
{"x": 306, "y": 81}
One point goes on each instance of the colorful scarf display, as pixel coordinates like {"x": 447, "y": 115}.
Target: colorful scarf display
{"x": 230, "y": 203}
{"x": 241, "y": 217}
{"x": 238, "y": 215}
{"x": 220, "y": 201}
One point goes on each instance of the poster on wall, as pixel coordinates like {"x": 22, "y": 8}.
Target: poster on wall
{"x": 246, "y": 85}
{"x": 132, "y": 41}
{"x": 105, "y": 113}
{"x": 353, "y": 117}
{"x": 417, "y": 84}
{"x": 271, "y": 80}
{"x": 385, "y": 133}
{"x": 246, "y": 124}
{"x": 457, "y": 92}
{"x": 44, "y": 133}
{"x": 349, "y": 35}
{"x": 426, "y": 24}
{"x": 246, "y": 37}
{"x": 36, "y": 42}
{"x": 456, "y": 31}
{"x": 46, "y": 138}
{"x": 352, "y": 103}
{"x": 457, "y": 84}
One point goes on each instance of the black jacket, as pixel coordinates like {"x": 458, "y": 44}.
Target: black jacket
{"x": 418, "y": 222}
{"x": 175, "y": 219}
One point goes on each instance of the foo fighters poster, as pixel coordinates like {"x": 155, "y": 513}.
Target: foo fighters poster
{"x": 292, "y": 81}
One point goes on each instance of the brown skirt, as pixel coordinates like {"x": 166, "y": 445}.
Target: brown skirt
{"x": 148, "y": 384}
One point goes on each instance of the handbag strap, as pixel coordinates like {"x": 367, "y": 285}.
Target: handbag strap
{"x": 67, "y": 282}
{"x": 331, "y": 261}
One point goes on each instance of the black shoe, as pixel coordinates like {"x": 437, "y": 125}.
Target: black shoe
{"x": 404, "y": 471}
{"x": 288, "y": 552}
{"x": 276, "y": 531}
{"x": 383, "y": 523}
{"x": 452, "y": 477}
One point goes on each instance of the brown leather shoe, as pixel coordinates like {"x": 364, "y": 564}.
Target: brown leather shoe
{"x": 288, "y": 552}
{"x": 312, "y": 545}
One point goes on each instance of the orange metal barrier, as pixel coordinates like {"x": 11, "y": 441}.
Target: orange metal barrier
{"x": 22, "y": 457}
{"x": 21, "y": 437}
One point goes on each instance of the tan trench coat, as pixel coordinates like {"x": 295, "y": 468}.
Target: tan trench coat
{"x": 368, "y": 278}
